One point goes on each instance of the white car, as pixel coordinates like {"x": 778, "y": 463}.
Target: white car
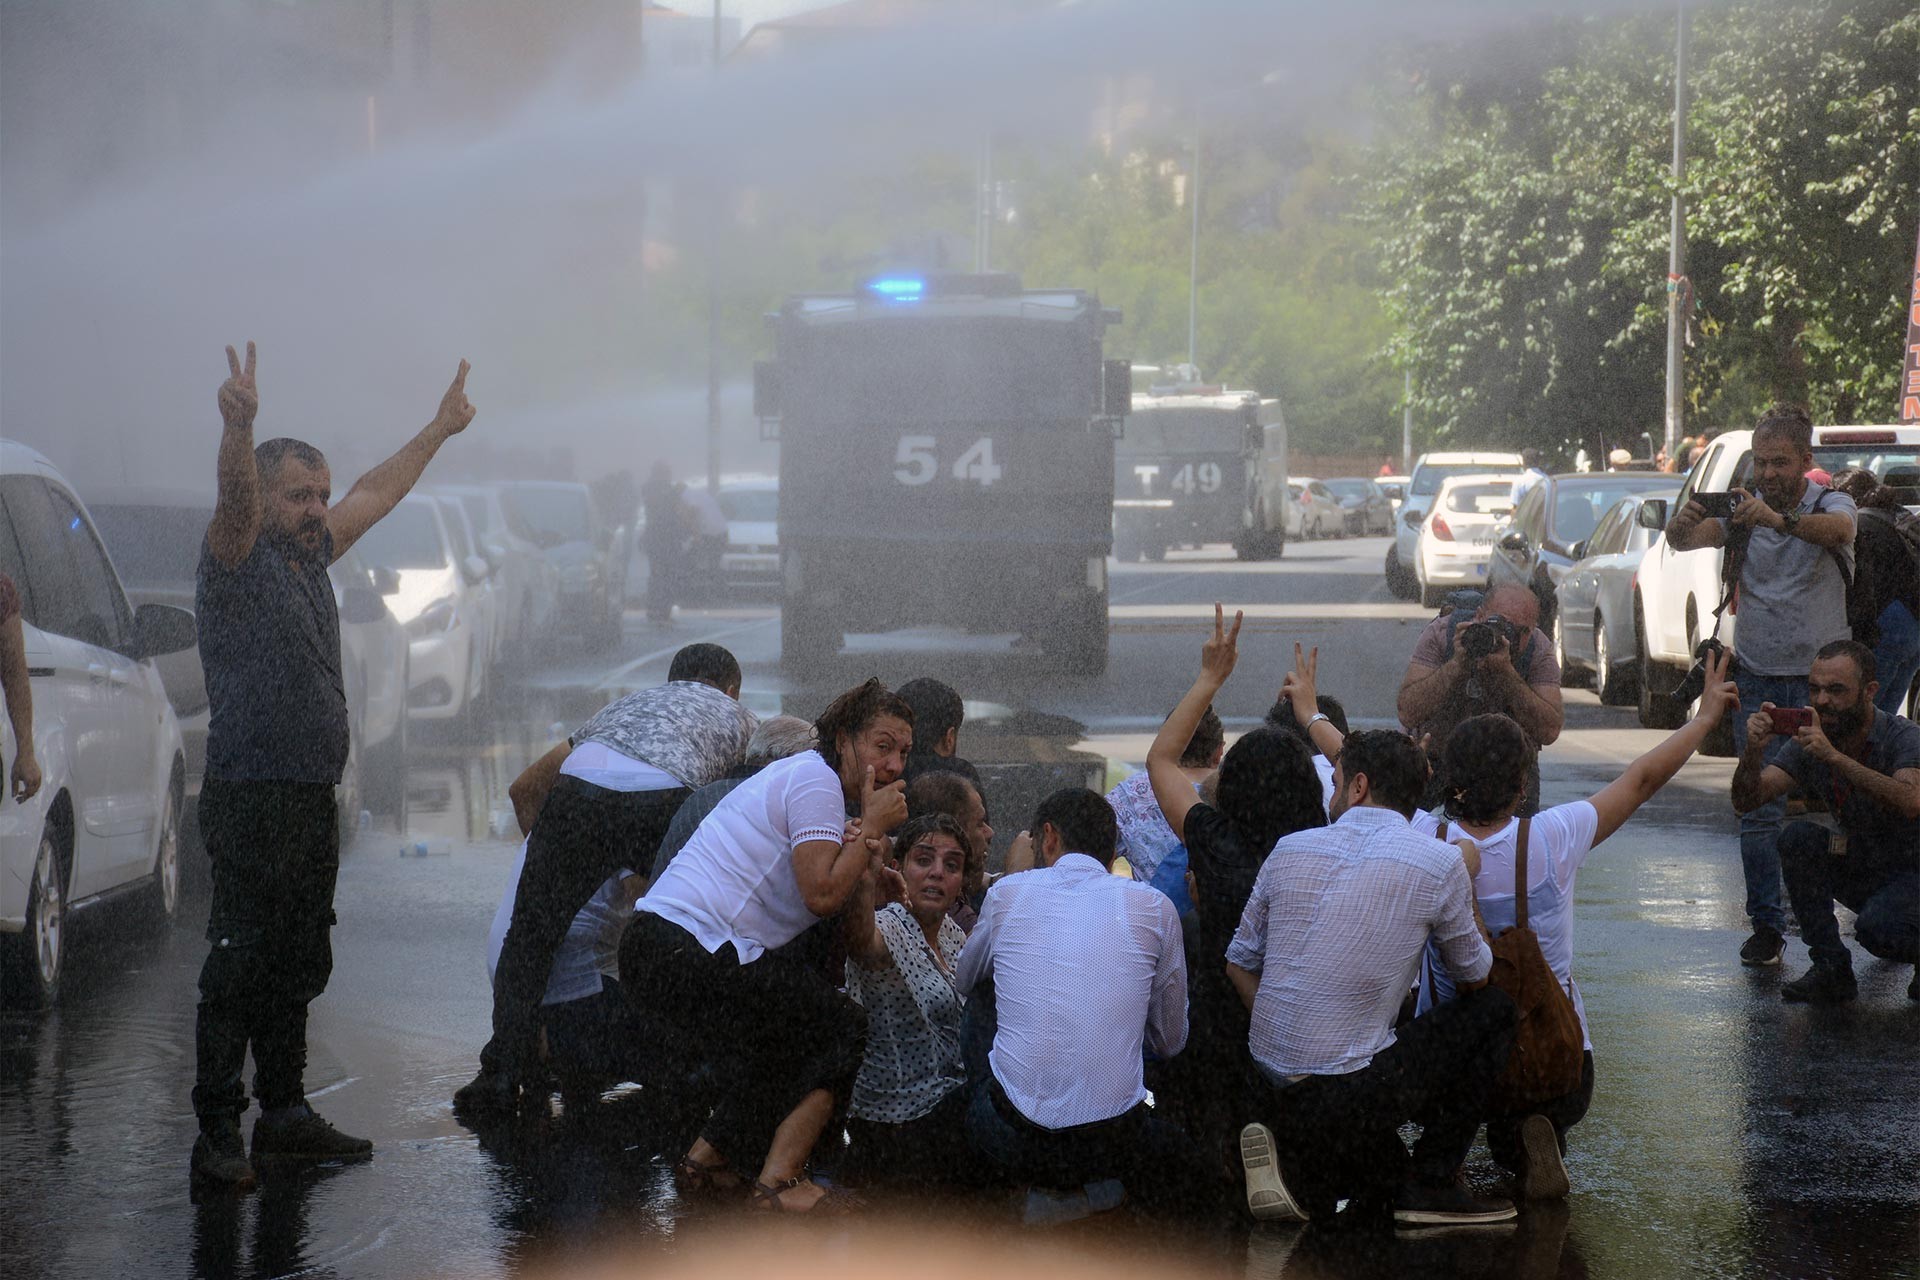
{"x": 1456, "y": 539}
{"x": 1675, "y": 594}
{"x": 489, "y": 613}
{"x": 526, "y": 590}
{"x": 1312, "y": 510}
{"x": 106, "y": 820}
{"x": 751, "y": 557}
{"x": 1428, "y": 471}
{"x": 437, "y": 602}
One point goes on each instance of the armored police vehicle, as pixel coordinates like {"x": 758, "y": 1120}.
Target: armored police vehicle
{"x": 1200, "y": 464}
{"x": 946, "y": 458}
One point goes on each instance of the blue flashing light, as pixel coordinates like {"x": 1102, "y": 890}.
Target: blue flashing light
{"x": 899, "y": 288}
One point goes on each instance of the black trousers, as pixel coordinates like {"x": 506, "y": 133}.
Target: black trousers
{"x": 769, "y": 1032}
{"x": 1160, "y": 1167}
{"x": 1338, "y": 1136}
{"x": 583, "y": 835}
{"x": 1563, "y": 1112}
{"x": 1881, "y": 886}
{"x": 275, "y": 848}
{"x": 928, "y": 1152}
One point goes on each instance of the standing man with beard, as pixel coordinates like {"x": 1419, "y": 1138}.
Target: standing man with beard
{"x": 276, "y": 744}
{"x": 1865, "y": 763}
{"x": 1789, "y": 549}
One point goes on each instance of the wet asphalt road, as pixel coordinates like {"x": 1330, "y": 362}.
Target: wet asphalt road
{"x": 1730, "y": 1135}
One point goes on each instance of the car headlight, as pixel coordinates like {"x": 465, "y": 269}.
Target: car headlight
{"x": 579, "y": 575}
{"x": 434, "y": 619}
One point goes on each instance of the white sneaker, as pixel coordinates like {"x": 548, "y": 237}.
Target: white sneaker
{"x": 1267, "y": 1196}
{"x": 1543, "y": 1174}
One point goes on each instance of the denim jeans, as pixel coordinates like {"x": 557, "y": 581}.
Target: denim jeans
{"x": 1879, "y": 885}
{"x": 1896, "y": 657}
{"x": 1760, "y": 829}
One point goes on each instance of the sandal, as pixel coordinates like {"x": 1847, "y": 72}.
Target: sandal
{"x": 693, "y": 1178}
{"x": 835, "y": 1202}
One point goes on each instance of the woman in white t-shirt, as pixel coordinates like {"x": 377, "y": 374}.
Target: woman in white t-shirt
{"x": 1489, "y": 761}
{"x": 776, "y": 856}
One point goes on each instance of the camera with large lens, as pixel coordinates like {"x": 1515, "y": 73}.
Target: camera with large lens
{"x": 1694, "y": 683}
{"x": 1479, "y": 639}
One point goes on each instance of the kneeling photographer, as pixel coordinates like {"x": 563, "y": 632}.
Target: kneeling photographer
{"x": 1789, "y": 560}
{"x": 1497, "y": 660}
{"x": 1865, "y": 764}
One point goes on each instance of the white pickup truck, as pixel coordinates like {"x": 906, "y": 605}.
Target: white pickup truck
{"x": 1675, "y": 591}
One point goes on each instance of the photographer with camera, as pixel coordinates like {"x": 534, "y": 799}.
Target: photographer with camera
{"x": 1497, "y": 660}
{"x": 1789, "y": 561}
{"x": 1865, "y": 764}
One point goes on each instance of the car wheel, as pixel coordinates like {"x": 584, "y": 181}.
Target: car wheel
{"x": 164, "y": 898}
{"x": 1155, "y": 551}
{"x": 35, "y": 956}
{"x": 1570, "y": 675}
{"x": 1616, "y": 682}
{"x": 1431, "y": 597}
{"x": 386, "y": 772}
{"x": 1399, "y": 582}
{"x": 1657, "y": 710}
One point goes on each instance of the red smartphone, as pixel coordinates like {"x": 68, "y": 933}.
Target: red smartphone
{"x": 1788, "y": 721}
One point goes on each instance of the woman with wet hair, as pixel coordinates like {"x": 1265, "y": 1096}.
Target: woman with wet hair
{"x": 1266, "y": 789}
{"x": 1489, "y": 760}
{"x": 906, "y": 1124}
{"x": 776, "y": 856}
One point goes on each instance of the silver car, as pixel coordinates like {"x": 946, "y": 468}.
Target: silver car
{"x": 1593, "y": 621}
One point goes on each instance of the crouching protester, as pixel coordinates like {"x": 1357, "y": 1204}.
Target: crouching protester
{"x": 905, "y": 1124}
{"x": 1087, "y": 975}
{"x": 1492, "y": 756}
{"x": 705, "y": 953}
{"x": 1326, "y": 953}
{"x": 1864, "y": 764}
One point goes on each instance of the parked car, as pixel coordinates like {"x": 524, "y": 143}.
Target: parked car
{"x": 1364, "y": 503}
{"x": 507, "y": 544}
{"x": 1395, "y": 487}
{"x": 1456, "y": 539}
{"x": 585, "y": 554}
{"x": 1535, "y": 549}
{"x": 489, "y": 619}
{"x": 1428, "y": 471}
{"x": 105, "y": 823}
{"x": 1677, "y": 590}
{"x": 750, "y": 558}
{"x": 1592, "y": 623}
{"x": 437, "y": 599}
{"x": 1312, "y": 510}
{"x": 155, "y": 536}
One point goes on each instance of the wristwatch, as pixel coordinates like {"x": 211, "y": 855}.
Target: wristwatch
{"x": 1789, "y": 521}
{"x": 1318, "y": 716}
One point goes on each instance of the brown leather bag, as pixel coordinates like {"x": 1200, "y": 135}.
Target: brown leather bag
{"x": 1548, "y": 1053}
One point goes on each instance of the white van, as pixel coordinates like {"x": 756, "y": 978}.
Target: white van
{"x": 106, "y": 820}
{"x": 1676, "y": 591}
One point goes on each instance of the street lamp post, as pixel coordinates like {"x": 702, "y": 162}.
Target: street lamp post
{"x": 1678, "y": 288}
{"x": 1193, "y": 255}
{"x": 713, "y": 306}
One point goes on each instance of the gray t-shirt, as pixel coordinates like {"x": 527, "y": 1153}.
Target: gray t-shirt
{"x": 685, "y": 728}
{"x": 1883, "y": 835}
{"x": 1793, "y": 597}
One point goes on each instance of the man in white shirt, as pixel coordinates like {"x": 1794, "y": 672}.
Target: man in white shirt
{"x": 600, "y": 801}
{"x": 1533, "y": 475}
{"x": 1088, "y": 974}
{"x": 1325, "y": 956}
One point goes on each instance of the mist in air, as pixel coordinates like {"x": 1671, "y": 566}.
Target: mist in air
{"x": 505, "y": 185}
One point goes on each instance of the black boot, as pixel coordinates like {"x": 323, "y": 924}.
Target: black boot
{"x": 491, "y": 1093}
{"x": 298, "y": 1133}
{"x": 1822, "y": 984}
{"x": 219, "y": 1157}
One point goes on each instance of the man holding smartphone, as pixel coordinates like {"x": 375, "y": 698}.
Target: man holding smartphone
{"x": 1790, "y": 558}
{"x": 1865, "y": 764}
